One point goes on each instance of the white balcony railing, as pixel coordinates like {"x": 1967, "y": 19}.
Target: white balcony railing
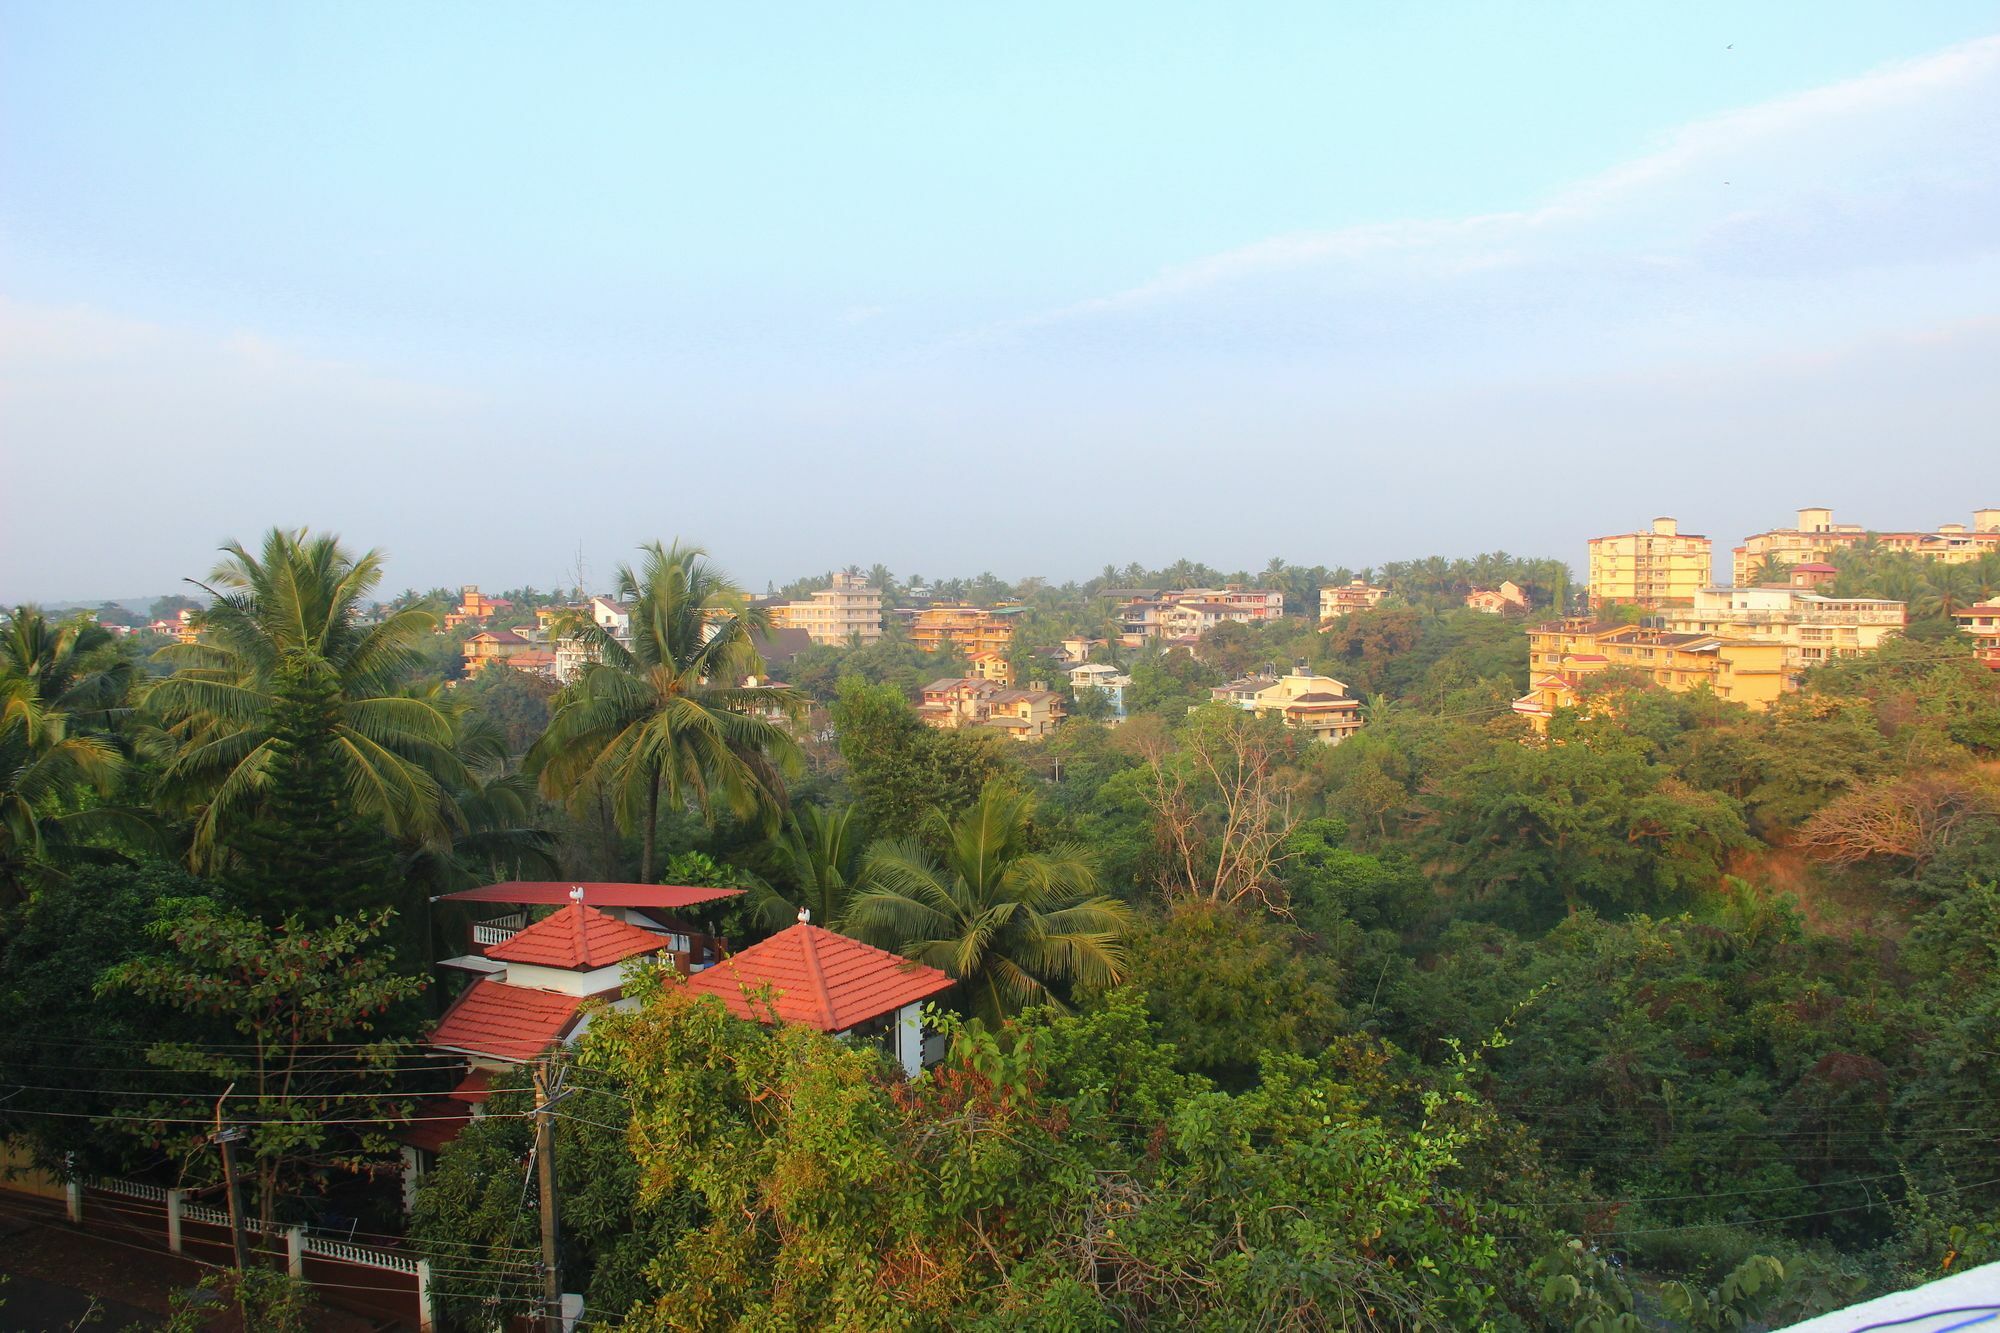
{"x": 500, "y": 929}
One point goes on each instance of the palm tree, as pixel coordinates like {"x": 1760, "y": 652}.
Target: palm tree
{"x": 823, "y": 849}
{"x": 1771, "y": 569}
{"x": 42, "y": 769}
{"x": 490, "y": 812}
{"x": 1947, "y": 588}
{"x": 300, "y": 597}
{"x": 72, "y": 664}
{"x": 666, "y": 716}
{"x": 1008, "y": 922}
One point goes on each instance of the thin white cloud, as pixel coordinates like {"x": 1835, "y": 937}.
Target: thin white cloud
{"x": 42, "y": 347}
{"x": 1723, "y": 171}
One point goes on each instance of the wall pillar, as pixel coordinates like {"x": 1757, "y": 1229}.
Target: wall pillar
{"x": 910, "y": 1038}
{"x": 175, "y": 1200}
{"x": 413, "y": 1170}
{"x": 295, "y": 1251}
{"x": 73, "y": 1196}
{"x": 426, "y": 1321}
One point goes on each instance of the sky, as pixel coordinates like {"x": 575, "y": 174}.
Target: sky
{"x": 1025, "y": 288}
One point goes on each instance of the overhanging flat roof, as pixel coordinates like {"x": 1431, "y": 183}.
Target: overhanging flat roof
{"x": 555, "y": 893}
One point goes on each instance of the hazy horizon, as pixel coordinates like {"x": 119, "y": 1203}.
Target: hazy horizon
{"x": 958, "y": 291}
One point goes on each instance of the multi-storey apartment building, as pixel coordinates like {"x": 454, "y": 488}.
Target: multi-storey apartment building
{"x": 1982, "y": 622}
{"x": 1354, "y": 595}
{"x": 1813, "y": 628}
{"x": 1817, "y": 538}
{"x": 966, "y": 628}
{"x": 850, "y": 609}
{"x": 1658, "y": 567}
{"x": 1316, "y": 705}
{"x": 1560, "y": 654}
{"x": 968, "y": 701}
{"x": 1187, "y": 613}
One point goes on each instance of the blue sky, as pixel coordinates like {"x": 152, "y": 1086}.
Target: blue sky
{"x": 1021, "y": 288}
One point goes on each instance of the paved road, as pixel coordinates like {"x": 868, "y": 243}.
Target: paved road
{"x": 33, "y": 1305}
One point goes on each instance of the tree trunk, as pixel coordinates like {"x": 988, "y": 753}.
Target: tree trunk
{"x": 652, "y": 830}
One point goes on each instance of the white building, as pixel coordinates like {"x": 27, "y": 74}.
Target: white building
{"x": 1814, "y": 629}
{"x": 572, "y": 653}
{"x": 850, "y": 609}
{"x": 1097, "y": 676}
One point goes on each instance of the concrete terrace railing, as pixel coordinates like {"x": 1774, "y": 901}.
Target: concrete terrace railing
{"x": 177, "y": 1210}
{"x": 500, "y": 929}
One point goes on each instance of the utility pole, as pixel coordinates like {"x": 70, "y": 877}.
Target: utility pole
{"x": 546, "y": 1096}
{"x": 225, "y": 1139}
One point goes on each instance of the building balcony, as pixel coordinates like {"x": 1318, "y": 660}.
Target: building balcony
{"x": 499, "y": 929}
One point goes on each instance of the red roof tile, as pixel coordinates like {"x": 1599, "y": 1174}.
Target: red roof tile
{"x": 579, "y": 938}
{"x": 818, "y": 978}
{"x": 435, "y": 1126}
{"x": 475, "y": 1087}
{"x": 552, "y": 893}
{"x": 505, "y": 1022}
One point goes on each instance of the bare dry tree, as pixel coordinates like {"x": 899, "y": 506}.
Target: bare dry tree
{"x": 1223, "y": 808}
{"x": 1912, "y": 818}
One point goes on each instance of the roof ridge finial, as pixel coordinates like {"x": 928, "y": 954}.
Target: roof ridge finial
{"x": 805, "y": 916}
{"x": 820, "y": 992}
{"x": 582, "y": 938}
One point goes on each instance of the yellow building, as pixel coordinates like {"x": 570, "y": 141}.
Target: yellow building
{"x": 492, "y": 645}
{"x": 849, "y": 609}
{"x": 991, "y": 666}
{"x": 1025, "y": 715}
{"x": 1316, "y": 705}
{"x": 1655, "y": 568}
{"x": 1561, "y": 654}
{"x": 474, "y": 606}
{"x": 1812, "y": 628}
{"x": 1354, "y": 595}
{"x": 966, "y": 628}
{"x": 1982, "y": 622}
{"x": 1817, "y": 538}
{"x": 968, "y": 701}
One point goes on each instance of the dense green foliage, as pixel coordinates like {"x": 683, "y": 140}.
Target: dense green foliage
{"x": 1681, "y": 1016}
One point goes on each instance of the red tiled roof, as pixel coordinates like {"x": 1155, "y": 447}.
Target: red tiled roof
{"x": 505, "y": 1022}
{"x": 436, "y": 1125}
{"x": 475, "y": 1087}
{"x": 1814, "y": 567}
{"x": 818, "y": 978}
{"x": 579, "y": 938}
{"x": 550, "y": 893}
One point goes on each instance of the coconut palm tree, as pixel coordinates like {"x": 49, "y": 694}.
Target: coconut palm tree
{"x": 1010, "y": 923}
{"x": 823, "y": 850}
{"x": 42, "y": 769}
{"x": 491, "y": 826}
{"x": 1947, "y": 588}
{"x": 1771, "y": 569}
{"x": 299, "y": 597}
{"x": 72, "y": 664}
{"x": 665, "y": 718}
